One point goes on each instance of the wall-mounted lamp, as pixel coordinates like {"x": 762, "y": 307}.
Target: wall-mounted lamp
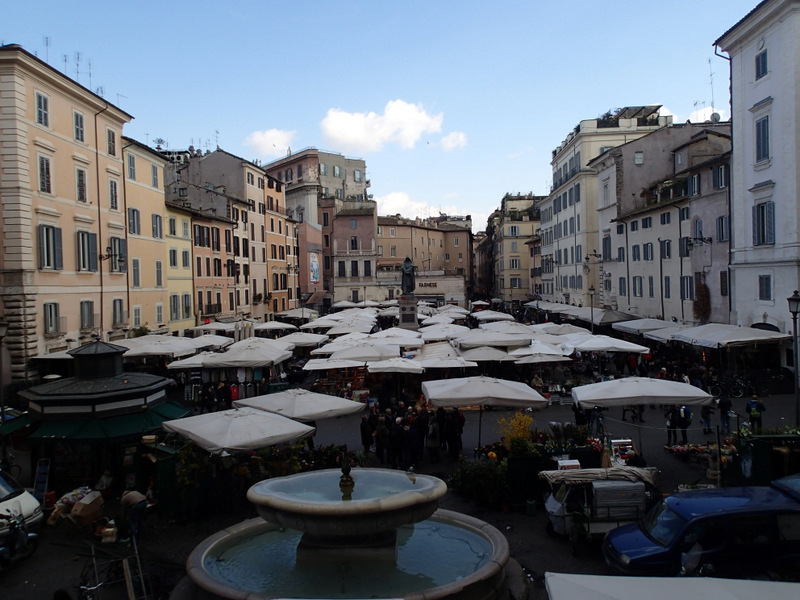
{"x": 110, "y": 254}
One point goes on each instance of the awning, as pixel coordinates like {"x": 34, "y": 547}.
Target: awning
{"x": 15, "y": 424}
{"x": 316, "y": 297}
{"x": 110, "y": 428}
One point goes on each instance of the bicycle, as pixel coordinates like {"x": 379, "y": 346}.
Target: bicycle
{"x": 8, "y": 465}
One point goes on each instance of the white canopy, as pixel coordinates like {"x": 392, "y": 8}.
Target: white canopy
{"x": 211, "y": 340}
{"x": 395, "y": 332}
{"x": 305, "y": 339}
{"x": 598, "y": 316}
{"x": 604, "y": 343}
{"x": 157, "y": 345}
{"x": 638, "y": 390}
{"x": 568, "y": 586}
{"x": 664, "y": 335}
{"x": 487, "y": 354}
{"x": 367, "y": 352}
{"x": 447, "y": 362}
{"x": 274, "y": 325}
{"x": 482, "y": 337}
{"x": 437, "y": 318}
{"x": 537, "y": 347}
{"x": 302, "y": 405}
{"x": 640, "y": 325}
{"x": 237, "y": 429}
{"x": 718, "y": 335}
{"x": 323, "y": 364}
{"x": 299, "y": 313}
{"x": 559, "y": 329}
{"x": 395, "y": 365}
{"x": 483, "y": 391}
{"x": 191, "y": 362}
{"x": 252, "y": 352}
{"x": 491, "y": 315}
{"x": 443, "y": 331}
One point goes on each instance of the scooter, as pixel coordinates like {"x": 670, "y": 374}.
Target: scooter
{"x": 18, "y": 542}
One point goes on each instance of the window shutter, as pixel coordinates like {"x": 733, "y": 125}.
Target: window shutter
{"x": 123, "y": 253}
{"x": 754, "y": 210}
{"x": 58, "y": 254}
{"x": 770, "y": 225}
{"x": 41, "y": 246}
{"x": 93, "y": 252}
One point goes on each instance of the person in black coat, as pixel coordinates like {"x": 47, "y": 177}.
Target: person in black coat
{"x": 366, "y": 434}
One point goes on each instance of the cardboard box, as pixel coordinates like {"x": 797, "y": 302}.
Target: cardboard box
{"x": 568, "y": 464}
{"x": 89, "y": 505}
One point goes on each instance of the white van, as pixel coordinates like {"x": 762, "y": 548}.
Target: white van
{"x": 16, "y": 500}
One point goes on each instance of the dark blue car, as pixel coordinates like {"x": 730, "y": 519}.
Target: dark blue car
{"x": 739, "y": 532}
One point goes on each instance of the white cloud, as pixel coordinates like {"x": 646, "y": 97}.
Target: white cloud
{"x": 701, "y": 115}
{"x": 272, "y": 142}
{"x": 451, "y": 141}
{"x": 400, "y": 203}
{"x": 401, "y": 123}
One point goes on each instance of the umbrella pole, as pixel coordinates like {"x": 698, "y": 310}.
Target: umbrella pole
{"x": 480, "y": 423}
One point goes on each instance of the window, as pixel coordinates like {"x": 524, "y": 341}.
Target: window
{"x": 764, "y": 224}
{"x": 513, "y": 263}
{"x": 667, "y": 291}
{"x": 393, "y": 251}
{"x": 261, "y": 183}
{"x": 80, "y": 185}
{"x": 325, "y": 219}
{"x": 762, "y": 67}
{"x": 634, "y": 225}
{"x": 174, "y": 307}
{"x": 391, "y": 231}
{"x": 132, "y": 167}
{"x": 77, "y": 119}
{"x": 111, "y": 139}
{"x": 173, "y": 258}
{"x": 456, "y": 242}
{"x": 516, "y": 282}
{"x": 638, "y": 158}
{"x": 762, "y": 139}
{"x": 358, "y": 175}
{"x": 683, "y": 214}
{"x": 113, "y": 199}
{"x": 87, "y": 314}
{"x": 136, "y": 272}
{"x": 380, "y": 250}
{"x": 683, "y": 247}
{"x": 623, "y": 287}
{"x": 134, "y": 222}
{"x": 45, "y": 184}
{"x": 621, "y": 254}
{"x": 158, "y": 226}
{"x": 513, "y": 230}
{"x": 159, "y": 314}
{"x": 648, "y": 251}
{"x": 137, "y": 316}
{"x": 636, "y": 254}
{"x": 338, "y": 171}
{"x": 637, "y": 287}
{"x": 666, "y": 248}
{"x": 187, "y": 306}
{"x": 51, "y": 320}
{"x": 323, "y": 169}
{"x": 650, "y": 287}
{"x": 353, "y": 224}
{"x": 159, "y": 274}
{"x": 765, "y": 287}
{"x": 42, "y": 109}
{"x": 647, "y": 222}
{"x": 694, "y": 184}
{"x": 697, "y": 229}
{"x": 354, "y": 268}
{"x": 154, "y": 175}
{"x": 119, "y": 250}
{"x": 251, "y": 179}
{"x": 367, "y": 268}
{"x": 87, "y": 251}
{"x": 723, "y": 283}
{"x": 186, "y": 259}
{"x": 50, "y": 253}
{"x": 342, "y": 272}
{"x": 353, "y": 242}
{"x": 720, "y": 176}
{"x": 722, "y": 228}
{"x": 687, "y": 287}
{"x": 288, "y": 176}
{"x": 666, "y": 218}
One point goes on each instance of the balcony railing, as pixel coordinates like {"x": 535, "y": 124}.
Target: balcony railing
{"x": 209, "y": 309}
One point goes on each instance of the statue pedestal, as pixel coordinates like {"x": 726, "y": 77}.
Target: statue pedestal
{"x": 408, "y": 312}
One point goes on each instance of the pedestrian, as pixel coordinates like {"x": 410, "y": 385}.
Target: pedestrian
{"x": 705, "y": 417}
{"x": 754, "y": 409}
{"x": 348, "y": 392}
{"x": 208, "y": 399}
{"x": 433, "y": 440}
{"x": 133, "y": 505}
{"x": 397, "y": 443}
{"x": 684, "y": 421}
{"x": 310, "y": 438}
{"x": 672, "y": 416}
{"x": 224, "y": 397}
{"x": 381, "y": 440}
{"x": 366, "y": 434}
{"x": 724, "y": 405}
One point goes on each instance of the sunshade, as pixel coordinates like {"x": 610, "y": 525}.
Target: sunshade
{"x": 559, "y": 329}
{"x": 487, "y": 354}
{"x": 507, "y": 327}
{"x": 191, "y": 362}
{"x": 537, "y": 347}
{"x": 480, "y": 303}
{"x": 447, "y": 362}
{"x": 343, "y": 304}
{"x": 535, "y": 359}
{"x": 481, "y": 337}
{"x": 215, "y": 326}
{"x": 211, "y": 340}
{"x": 274, "y": 325}
{"x": 452, "y": 308}
{"x": 157, "y": 345}
{"x": 604, "y": 343}
{"x": 305, "y": 339}
{"x": 443, "y": 331}
{"x": 599, "y": 316}
{"x": 664, "y": 335}
{"x": 248, "y": 356}
{"x": 302, "y": 405}
{"x": 640, "y": 325}
{"x": 360, "y": 326}
{"x": 323, "y": 364}
{"x": 638, "y": 390}
{"x": 367, "y": 353}
{"x": 568, "y": 586}
{"x": 437, "y": 318}
{"x": 299, "y": 313}
{"x": 395, "y": 365}
{"x": 395, "y": 332}
{"x": 718, "y": 335}
{"x": 491, "y": 315}
{"x": 238, "y": 429}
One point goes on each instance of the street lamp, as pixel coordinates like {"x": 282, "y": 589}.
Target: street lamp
{"x": 794, "y": 308}
{"x": 591, "y": 310}
{"x": 3, "y": 331}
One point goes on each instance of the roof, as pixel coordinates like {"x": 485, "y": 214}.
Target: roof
{"x": 354, "y": 212}
{"x": 730, "y": 500}
{"x": 741, "y": 21}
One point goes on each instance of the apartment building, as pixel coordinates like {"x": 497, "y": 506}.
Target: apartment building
{"x": 654, "y": 194}
{"x": 354, "y": 252}
{"x": 765, "y": 245}
{"x": 180, "y": 283}
{"x": 569, "y": 226}
{"x": 63, "y": 261}
{"x": 314, "y": 178}
{"x": 512, "y": 225}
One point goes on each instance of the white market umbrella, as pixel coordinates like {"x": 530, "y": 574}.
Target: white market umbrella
{"x": 483, "y": 391}
{"x": 302, "y": 405}
{"x": 719, "y": 335}
{"x": 367, "y": 353}
{"x": 274, "y": 326}
{"x": 640, "y": 325}
{"x": 395, "y": 365}
{"x": 323, "y": 364}
{"x": 211, "y": 340}
{"x": 157, "y": 345}
{"x": 304, "y": 339}
{"x": 507, "y": 327}
{"x": 443, "y": 331}
{"x": 480, "y": 303}
{"x": 215, "y": 326}
{"x": 491, "y": 315}
{"x": 437, "y": 318}
{"x": 299, "y": 313}
{"x": 447, "y": 362}
{"x": 537, "y": 359}
{"x": 487, "y": 354}
{"x": 537, "y": 347}
{"x": 452, "y": 308}
{"x": 344, "y": 304}
{"x": 482, "y": 337}
{"x": 559, "y": 329}
{"x": 395, "y": 332}
{"x": 237, "y": 429}
{"x": 191, "y": 362}
{"x": 357, "y": 326}
{"x": 638, "y": 390}
{"x": 604, "y": 343}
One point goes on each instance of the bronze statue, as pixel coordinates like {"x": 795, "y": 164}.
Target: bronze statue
{"x": 407, "y": 283}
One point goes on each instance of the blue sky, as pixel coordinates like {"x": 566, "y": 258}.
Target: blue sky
{"x": 451, "y": 104}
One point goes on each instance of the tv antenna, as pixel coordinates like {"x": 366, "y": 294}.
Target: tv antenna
{"x": 47, "y": 49}
{"x": 711, "y": 83}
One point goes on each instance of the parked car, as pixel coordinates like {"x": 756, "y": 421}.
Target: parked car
{"x": 739, "y": 532}
{"x": 16, "y": 500}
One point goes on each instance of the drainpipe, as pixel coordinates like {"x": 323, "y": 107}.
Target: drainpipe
{"x": 730, "y": 186}
{"x": 99, "y": 210}
{"x": 661, "y": 276}
{"x": 125, "y": 222}
{"x": 627, "y": 265}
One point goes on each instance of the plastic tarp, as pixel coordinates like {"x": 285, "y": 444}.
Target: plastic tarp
{"x": 302, "y": 405}
{"x": 638, "y": 390}
{"x": 568, "y": 586}
{"x": 577, "y": 476}
{"x": 718, "y": 335}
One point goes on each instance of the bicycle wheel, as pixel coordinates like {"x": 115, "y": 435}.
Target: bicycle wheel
{"x": 14, "y": 470}
{"x": 715, "y": 390}
{"x": 737, "y": 391}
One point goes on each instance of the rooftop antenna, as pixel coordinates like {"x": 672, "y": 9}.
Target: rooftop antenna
{"x": 90, "y": 74}
{"x": 711, "y": 83}
{"x": 77, "y": 66}
{"x": 47, "y": 49}
{"x": 120, "y": 96}
{"x": 216, "y": 137}
{"x": 66, "y": 59}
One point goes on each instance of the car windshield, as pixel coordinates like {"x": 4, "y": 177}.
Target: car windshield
{"x": 9, "y": 488}
{"x": 662, "y": 524}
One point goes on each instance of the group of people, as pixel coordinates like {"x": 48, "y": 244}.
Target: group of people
{"x": 403, "y": 437}
{"x": 218, "y": 396}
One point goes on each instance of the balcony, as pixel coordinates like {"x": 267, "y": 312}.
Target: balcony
{"x": 209, "y": 309}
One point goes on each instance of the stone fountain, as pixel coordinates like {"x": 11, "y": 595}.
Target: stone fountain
{"x": 366, "y": 533}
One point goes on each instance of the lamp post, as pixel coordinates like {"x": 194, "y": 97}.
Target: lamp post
{"x": 591, "y": 303}
{"x": 3, "y": 330}
{"x": 794, "y": 308}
